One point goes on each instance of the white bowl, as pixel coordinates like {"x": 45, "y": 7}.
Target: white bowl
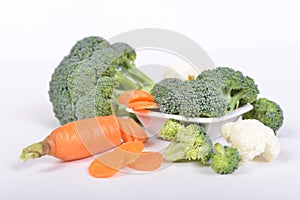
{"x": 153, "y": 121}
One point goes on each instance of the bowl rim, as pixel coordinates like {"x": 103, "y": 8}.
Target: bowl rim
{"x": 204, "y": 120}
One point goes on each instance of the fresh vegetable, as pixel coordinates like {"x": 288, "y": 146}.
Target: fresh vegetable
{"x": 203, "y": 99}
{"x": 131, "y": 131}
{"x": 131, "y": 151}
{"x": 143, "y": 105}
{"x": 214, "y": 93}
{"x": 106, "y": 165}
{"x": 83, "y": 138}
{"x": 127, "y": 154}
{"x": 266, "y": 111}
{"x": 109, "y": 163}
{"x": 252, "y": 138}
{"x": 168, "y": 95}
{"x": 87, "y": 81}
{"x": 132, "y": 96}
{"x": 191, "y": 143}
{"x": 224, "y": 160}
{"x": 170, "y": 129}
{"x": 147, "y": 161}
{"x": 237, "y": 88}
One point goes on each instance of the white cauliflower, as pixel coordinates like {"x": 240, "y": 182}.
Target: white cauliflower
{"x": 252, "y": 138}
{"x": 184, "y": 72}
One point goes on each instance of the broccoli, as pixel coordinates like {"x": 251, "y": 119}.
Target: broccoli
{"x": 168, "y": 94}
{"x": 170, "y": 129}
{"x": 196, "y": 98}
{"x": 266, "y": 111}
{"x": 190, "y": 143}
{"x": 224, "y": 160}
{"x": 237, "y": 88}
{"x": 202, "y": 99}
{"x": 83, "y": 84}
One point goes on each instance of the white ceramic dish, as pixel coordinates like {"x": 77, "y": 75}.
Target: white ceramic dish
{"x": 153, "y": 121}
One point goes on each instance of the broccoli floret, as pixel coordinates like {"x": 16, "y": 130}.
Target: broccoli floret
{"x": 190, "y": 143}
{"x": 168, "y": 95}
{"x": 77, "y": 79}
{"x": 237, "y": 88}
{"x": 224, "y": 160}
{"x": 202, "y": 99}
{"x": 196, "y": 98}
{"x": 266, "y": 111}
{"x": 86, "y": 47}
{"x": 170, "y": 129}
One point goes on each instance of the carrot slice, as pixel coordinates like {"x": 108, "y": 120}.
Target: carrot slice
{"x": 135, "y": 96}
{"x": 130, "y": 151}
{"x": 106, "y": 165}
{"x": 142, "y": 105}
{"x": 147, "y": 161}
{"x": 125, "y": 131}
{"x": 131, "y": 131}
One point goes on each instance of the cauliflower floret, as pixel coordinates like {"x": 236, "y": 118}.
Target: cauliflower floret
{"x": 252, "y": 138}
{"x": 184, "y": 72}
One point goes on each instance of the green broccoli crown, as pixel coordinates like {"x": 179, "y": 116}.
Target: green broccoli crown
{"x": 167, "y": 94}
{"x": 93, "y": 64}
{"x": 224, "y": 160}
{"x": 169, "y": 129}
{"x": 190, "y": 143}
{"x": 87, "y": 46}
{"x": 203, "y": 99}
{"x": 266, "y": 111}
{"x": 237, "y": 88}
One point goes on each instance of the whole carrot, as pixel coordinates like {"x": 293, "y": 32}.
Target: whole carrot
{"x": 77, "y": 140}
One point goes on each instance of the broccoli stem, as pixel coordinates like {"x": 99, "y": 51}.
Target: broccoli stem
{"x": 136, "y": 74}
{"x": 125, "y": 83}
{"x": 235, "y": 100}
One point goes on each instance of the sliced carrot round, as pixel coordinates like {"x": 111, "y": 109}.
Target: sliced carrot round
{"x": 130, "y": 151}
{"x": 106, "y": 165}
{"x": 147, "y": 161}
{"x": 142, "y": 105}
{"x": 135, "y": 96}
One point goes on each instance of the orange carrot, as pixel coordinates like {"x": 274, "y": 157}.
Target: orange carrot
{"x": 108, "y": 164}
{"x": 142, "y": 105}
{"x": 131, "y": 151}
{"x": 131, "y": 96}
{"x": 131, "y": 131}
{"x": 147, "y": 161}
{"x": 77, "y": 140}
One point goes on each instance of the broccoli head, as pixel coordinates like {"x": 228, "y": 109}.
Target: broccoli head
{"x": 266, "y": 111}
{"x": 190, "y": 143}
{"x": 224, "y": 160}
{"x": 170, "y": 129}
{"x": 202, "y": 99}
{"x": 82, "y": 84}
{"x": 237, "y": 88}
{"x": 168, "y": 95}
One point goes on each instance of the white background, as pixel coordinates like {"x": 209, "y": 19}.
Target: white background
{"x": 261, "y": 38}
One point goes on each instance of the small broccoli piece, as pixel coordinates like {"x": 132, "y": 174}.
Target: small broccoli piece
{"x": 202, "y": 99}
{"x": 168, "y": 95}
{"x": 170, "y": 129}
{"x": 237, "y": 88}
{"x": 80, "y": 74}
{"x": 224, "y": 160}
{"x": 190, "y": 143}
{"x": 266, "y": 111}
